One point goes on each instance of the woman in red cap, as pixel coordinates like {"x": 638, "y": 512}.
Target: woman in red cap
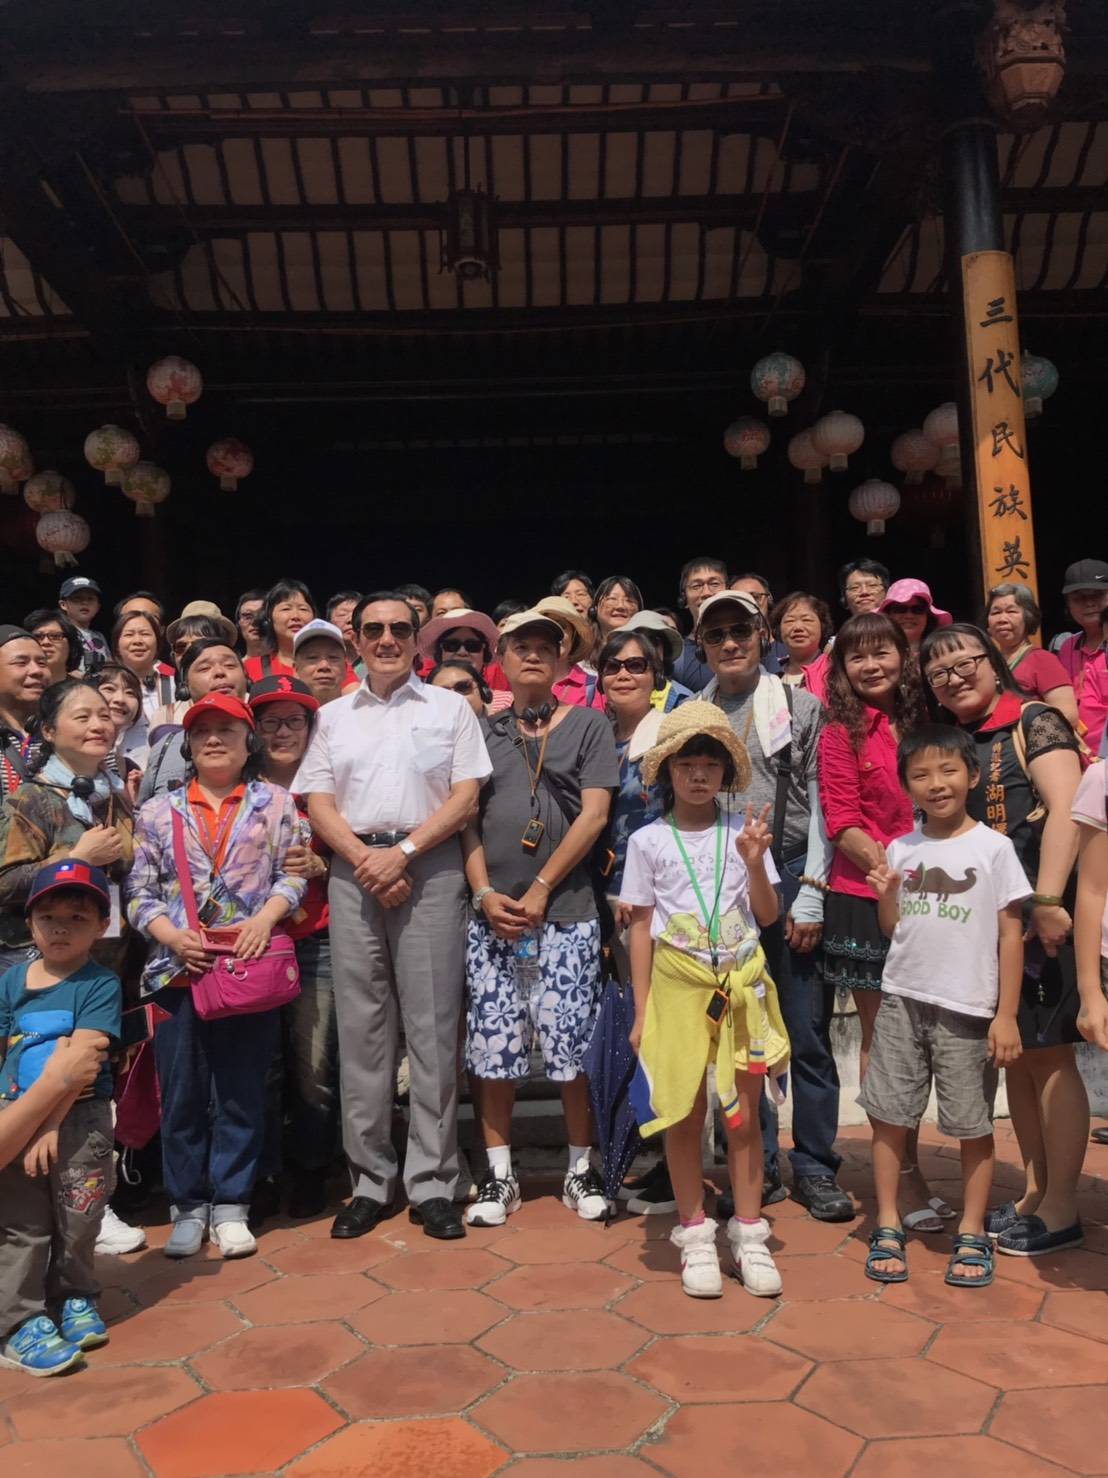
{"x": 237, "y": 832}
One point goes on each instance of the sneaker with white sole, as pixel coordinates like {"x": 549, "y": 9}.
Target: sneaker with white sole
{"x": 583, "y": 1192}
{"x": 187, "y": 1236}
{"x": 700, "y": 1274}
{"x": 756, "y": 1266}
{"x": 38, "y": 1349}
{"x": 497, "y": 1197}
{"x": 234, "y": 1238}
{"x": 115, "y": 1236}
{"x": 651, "y": 1194}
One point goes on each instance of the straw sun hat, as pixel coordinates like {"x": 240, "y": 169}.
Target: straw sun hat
{"x": 685, "y": 723}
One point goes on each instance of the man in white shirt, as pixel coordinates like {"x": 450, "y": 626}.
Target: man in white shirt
{"x": 392, "y": 773}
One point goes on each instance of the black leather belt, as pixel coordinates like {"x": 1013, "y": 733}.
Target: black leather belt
{"x": 383, "y": 838}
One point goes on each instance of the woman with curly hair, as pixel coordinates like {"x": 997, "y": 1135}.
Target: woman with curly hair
{"x": 874, "y": 696}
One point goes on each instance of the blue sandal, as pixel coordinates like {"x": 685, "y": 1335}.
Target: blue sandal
{"x": 970, "y": 1251}
{"x": 877, "y": 1254}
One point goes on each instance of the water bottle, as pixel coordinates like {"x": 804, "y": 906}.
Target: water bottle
{"x": 528, "y": 972}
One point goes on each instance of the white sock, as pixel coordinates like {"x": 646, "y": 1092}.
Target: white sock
{"x": 577, "y": 1153}
{"x": 500, "y": 1160}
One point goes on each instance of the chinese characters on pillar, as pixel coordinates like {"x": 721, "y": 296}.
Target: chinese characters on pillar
{"x": 999, "y": 432}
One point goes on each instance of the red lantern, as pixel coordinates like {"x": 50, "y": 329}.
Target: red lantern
{"x": 230, "y": 460}
{"x": 175, "y": 383}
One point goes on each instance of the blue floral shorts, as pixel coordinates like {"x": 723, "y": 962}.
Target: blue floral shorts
{"x": 502, "y": 1023}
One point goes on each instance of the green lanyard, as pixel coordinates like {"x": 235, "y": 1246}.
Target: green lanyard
{"x": 711, "y": 919}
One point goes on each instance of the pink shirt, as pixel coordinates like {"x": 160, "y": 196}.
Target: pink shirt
{"x": 1088, "y": 672}
{"x": 1039, "y": 672}
{"x": 862, "y": 790}
{"x": 573, "y": 689}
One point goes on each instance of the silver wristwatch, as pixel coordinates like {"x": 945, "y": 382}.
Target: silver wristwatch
{"x": 479, "y": 895}
{"x": 408, "y": 847}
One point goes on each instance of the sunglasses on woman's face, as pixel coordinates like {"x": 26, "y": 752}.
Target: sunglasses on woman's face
{"x": 636, "y": 666}
{"x": 898, "y": 610}
{"x": 472, "y": 645}
{"x": 375, "y": 630}
{"x": 465, "y": 687}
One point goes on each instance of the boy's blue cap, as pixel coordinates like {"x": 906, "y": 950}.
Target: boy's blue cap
{"x": 71, "y": 873}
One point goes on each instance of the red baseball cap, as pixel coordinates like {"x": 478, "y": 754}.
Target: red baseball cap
{"x": 218, "y": 703}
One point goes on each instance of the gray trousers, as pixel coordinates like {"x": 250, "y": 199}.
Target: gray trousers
{"x": 48, "y": 1223}
{"x": 390, "y": 965}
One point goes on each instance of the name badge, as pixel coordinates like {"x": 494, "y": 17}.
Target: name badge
{"x": 115, "y": 916}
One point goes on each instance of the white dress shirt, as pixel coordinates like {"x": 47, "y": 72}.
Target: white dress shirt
{"x": 390, "y": 762}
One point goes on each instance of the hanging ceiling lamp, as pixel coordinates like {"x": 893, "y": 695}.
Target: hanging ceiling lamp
{"x": 873, "y": 502}
{"x": 49, "y": 492}
{"x": 175, "y": 383}
{"x": 16, "y": 463}
{"x": 1023, "y": 60}
{"x": 146, "y": 485}
{"x": 747, "y": 438}
{"x": 914, "y": 455}
{"x": 805, "y": 458}
{"x": 837, "y": 435}
{"x": 64, "y": 535}
{"x": 111, "y": 450}
{"x": 230, "y": 460}
{"x": 1039, "y": 380}
{"x": 941, "y": 429}
{"x": 777, "y": 379}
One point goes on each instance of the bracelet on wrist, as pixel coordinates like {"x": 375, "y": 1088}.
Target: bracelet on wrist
{"x": 543, "y": 883}
{"x": 816, "y": 883}
{"x": 1046, "y": 900}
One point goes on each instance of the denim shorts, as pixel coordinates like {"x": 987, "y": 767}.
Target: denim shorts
{"x": 916, "y": 1043}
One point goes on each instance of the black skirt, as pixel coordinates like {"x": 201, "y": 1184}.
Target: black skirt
{"x": 854, "y": 948}
{"x": 1049, "y": 1001}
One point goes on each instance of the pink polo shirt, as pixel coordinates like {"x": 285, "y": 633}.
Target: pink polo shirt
{"x": 860, "y": 789}
{"x": 1088, "y": 672}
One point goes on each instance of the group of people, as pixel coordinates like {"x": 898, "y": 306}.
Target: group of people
{"x": 276, "y": 852}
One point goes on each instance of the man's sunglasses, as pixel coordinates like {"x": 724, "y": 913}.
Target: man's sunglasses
{"x": 714, "y": 636}
{"x": 473, "y": 645}
{"x": 636, "y": 666}
{"x": 375, "y": 630}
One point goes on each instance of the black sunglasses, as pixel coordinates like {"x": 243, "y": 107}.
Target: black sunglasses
{"x": 465, "y": 687}
{"x": 473, "y": 645}
{"x": 636, "y": 666}
{"x": 716, "y": 635}
{"x": 375, "y": 630}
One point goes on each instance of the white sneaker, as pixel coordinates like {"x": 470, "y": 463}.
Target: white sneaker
{"x": 234, "y": 1239}
{"x": 700, "y": 1275}
{"x": 583, "y": 1192}
{"x": 497, "y": 1197}
{"x": 116, "y": 1236}
{"x": 752, "y": 1258}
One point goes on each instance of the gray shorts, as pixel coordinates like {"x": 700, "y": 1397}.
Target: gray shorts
{"x": 914, "y": 1044}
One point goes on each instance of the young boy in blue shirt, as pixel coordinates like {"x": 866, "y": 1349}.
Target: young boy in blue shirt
{"x": 52, "y": 1199}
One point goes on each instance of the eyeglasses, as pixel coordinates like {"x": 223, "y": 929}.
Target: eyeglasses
{"x": 53, "y": 637}
{"x": 472, "y": 645}
{"x": 896, "y": 609}
{"x": 694, "y": 587}
{"x": 715, "y": 635}
{"x": 863, "y": 587}
{"x": 295, "y": 723}
{"x": 965, "y": 668}
{"x": 636, "y": 666}
{"x": 465, "y": 687}
{"x": 375, "y": 630}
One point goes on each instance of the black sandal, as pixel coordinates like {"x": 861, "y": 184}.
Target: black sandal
{"x": 877, "y": 1254}
{"x": 970, "y": 1251}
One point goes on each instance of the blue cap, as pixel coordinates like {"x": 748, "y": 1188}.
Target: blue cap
{"x": 71, "y": 873}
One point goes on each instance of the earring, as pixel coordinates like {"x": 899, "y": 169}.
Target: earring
{"x": 998, "y": 685}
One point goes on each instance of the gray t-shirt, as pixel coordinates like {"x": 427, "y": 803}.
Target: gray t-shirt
{"x": 580, "y": 755}
{"x": 808, "y": 719}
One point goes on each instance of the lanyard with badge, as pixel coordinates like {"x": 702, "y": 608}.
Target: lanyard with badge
{"x": 721, "y": 999}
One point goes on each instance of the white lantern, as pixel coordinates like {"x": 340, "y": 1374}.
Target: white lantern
{"x": 746, "y": 439}
{"x": 111, "y": 450}
{"x": 146, "y": 485}
{"x": 175, "y": 383}
{"x": 16, "y": 464}
{"x": 62, "y": 534}
{"x": 941, "y": 429}
{"x": 777, "y": 379}
{"x": 48, "y": 492}
{"x": 805, "y": 458}
{"x": 914, "y": 455}
{"x": 837, "y": 435}
{"x": 230, "y": 460}
{"x": 872, "y": 502}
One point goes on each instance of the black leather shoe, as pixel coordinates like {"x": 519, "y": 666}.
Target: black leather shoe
{"x": 360, "y": 1217}
{"x": 824, "y": 1197}
{"x": 308, "y": 1196}
{"x": 265, "y": 1201}
{"x": 439, "y": 1218}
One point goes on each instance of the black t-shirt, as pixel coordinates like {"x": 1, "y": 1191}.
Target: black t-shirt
{"x": 580, "y": 755}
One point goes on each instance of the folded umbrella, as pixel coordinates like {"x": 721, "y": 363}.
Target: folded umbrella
{"x": 610, "y": 1066}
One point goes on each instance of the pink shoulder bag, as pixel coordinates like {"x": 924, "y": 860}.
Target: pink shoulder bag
{"x": 234, "y": 987}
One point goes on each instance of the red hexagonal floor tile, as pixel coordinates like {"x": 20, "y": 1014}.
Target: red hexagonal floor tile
{"x": 423, "y": 1380}
{"x": 403, "y": 1450}
{"x": 915, "y": 1457}
{"x": 463, "y": 1267}
{"x": 165, "y": 1334}
{"x": 203, "y": 1280}
{"x": 650, "y": 1261}
{"x": 564, "y": 1341}
{"x": 833, "y": 1277}
{"x": 237, "y": 1432}
{"x": 437, "y": 1317}
{"x": 611, "y": 1465}
{"x": 695, "y": 1368}
{"x": 109, "y": 1402}
{"x": 98, "y": 1457}
{"x": 315, "y": 1255}
{"x": 667, "y": 1309}
{"x": 576, "y": 1241}
{"x": 1080, "y": 1313}
{"x": 1063, "y": 1426}
{"x": 851, "y": 1330}
{"x": 277, "y": 1355}
{"x": 1022, "y": 1356}
{"x": 766, "y": 1437}
{"x": 803, "y": 1235}
{"x": 1076, "y": 1269}
{"x": 569, "y": 1413}
{"x": 897, "y": 1398}
{"x": 927, "y": 1295}
{"x": 298, "y": 1300}
{"x": 581, "y": 1285}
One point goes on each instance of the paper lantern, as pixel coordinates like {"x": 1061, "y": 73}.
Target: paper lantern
{"x": 16, "y": 464}
{"x": 837, "y": 435}
{"x": 230, "y": 460}
{"x": 805, "y": 458}
{"x": 146, "y": 485}
{"x": 746, "y": 439}
{"x": 174, "y": 383}
{"x": 872, "y": 502}
{"x": 1039, "y": 378}
{"x": 48, "y": 492}
{"x": 914, "y": 455}
{"x": 941, "y": 429}
{"x": 64, "y": 535}
{"x": 111, "y": 450}
{"x": 777, "y": 379}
